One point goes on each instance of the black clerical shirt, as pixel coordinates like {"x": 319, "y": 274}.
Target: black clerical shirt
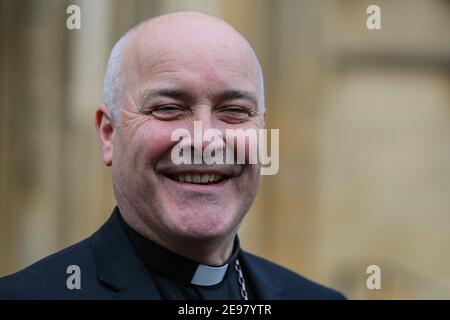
{"x": 179, "y": 278}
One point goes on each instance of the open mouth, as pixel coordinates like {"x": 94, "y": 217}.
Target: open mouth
{"x": 196, "y": 178}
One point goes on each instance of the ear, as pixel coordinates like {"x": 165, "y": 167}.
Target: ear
{"x": 105, "y": 129}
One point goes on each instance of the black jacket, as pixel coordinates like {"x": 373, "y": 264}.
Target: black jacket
{"x": 111, "y": 269}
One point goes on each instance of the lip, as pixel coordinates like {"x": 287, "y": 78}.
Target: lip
{"x": 222, "y": 170}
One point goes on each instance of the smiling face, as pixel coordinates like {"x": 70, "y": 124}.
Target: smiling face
{"x": 177, "y": 71}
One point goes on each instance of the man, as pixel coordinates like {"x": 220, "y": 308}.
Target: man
{"x": 173, "y": 234}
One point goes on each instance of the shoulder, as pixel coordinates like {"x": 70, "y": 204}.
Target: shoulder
{"x": 47, "y": 278}
{"x": 295, "y": 285}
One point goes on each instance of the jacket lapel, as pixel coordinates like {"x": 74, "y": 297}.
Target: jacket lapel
{"x": 265, "y": 284}
{"x": 118, "y": 264}
{"x": 142, "y": 288}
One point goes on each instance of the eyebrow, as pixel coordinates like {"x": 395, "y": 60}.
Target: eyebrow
{"x": 181, "y": 94}
{"x": 238, "y": 94}
{"x": 164, "y": 92}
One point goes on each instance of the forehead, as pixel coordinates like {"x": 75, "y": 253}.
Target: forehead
{"x": 191, "y": 55}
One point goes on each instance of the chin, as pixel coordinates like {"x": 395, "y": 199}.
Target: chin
{"x": 204, "y": 225}
{"x": 201, "y": 235}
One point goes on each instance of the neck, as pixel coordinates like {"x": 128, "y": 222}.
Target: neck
{"x": 209, "y": 252}
{"x": 212, "y": 252}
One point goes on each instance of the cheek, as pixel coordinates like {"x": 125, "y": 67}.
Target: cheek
{"x": 152, "y": 142}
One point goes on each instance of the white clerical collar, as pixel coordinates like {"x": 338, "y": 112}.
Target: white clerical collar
{"x": 209, "y": 276}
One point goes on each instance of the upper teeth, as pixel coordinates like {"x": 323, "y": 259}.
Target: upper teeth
{"x": 198, "y": 178}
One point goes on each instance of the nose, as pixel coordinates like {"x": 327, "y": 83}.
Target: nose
{"x": 206, "y": 133}
{"x": 204, "y": 115}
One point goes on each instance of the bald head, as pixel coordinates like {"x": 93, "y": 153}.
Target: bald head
{"x": 176, "y": 40}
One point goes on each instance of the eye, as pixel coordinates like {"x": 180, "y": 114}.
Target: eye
{"x": 235, "y": 112}
{"x": 169, "y": 111}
